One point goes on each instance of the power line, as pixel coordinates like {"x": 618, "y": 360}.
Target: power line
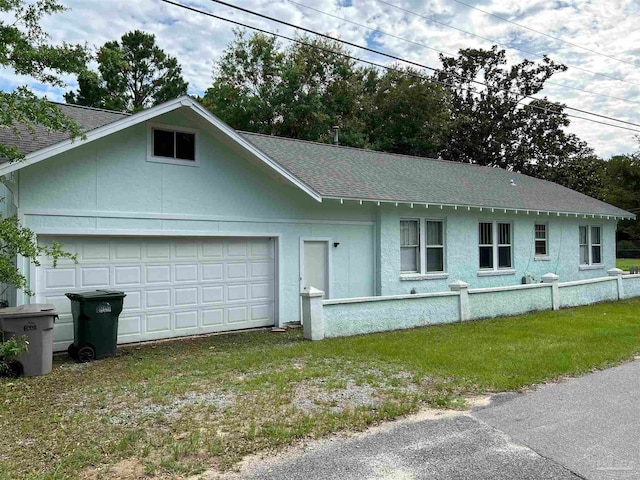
{"x": 395, "y": 57}
{"x": 420, "y": 44}
{"x": 546, "y": 34}
{"x": 357, "y": 59}
{"x": 431, "y": 19}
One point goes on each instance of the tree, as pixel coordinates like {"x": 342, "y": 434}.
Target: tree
{"x": 491, "y": 125}
{"x": 24, "y": 48}
{"x": 621, "y": 187}
{"x": 582, "y": 173}
{"x": 297, "y": 92}
{"x": 408, "y": 114}
{"x": 134, "y": 74}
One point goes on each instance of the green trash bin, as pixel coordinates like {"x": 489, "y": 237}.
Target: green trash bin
{"x": 95, "y": 324}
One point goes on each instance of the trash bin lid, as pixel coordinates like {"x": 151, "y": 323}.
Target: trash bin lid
{"x": 95, "y": 295}
{"x": 33, "y": 310}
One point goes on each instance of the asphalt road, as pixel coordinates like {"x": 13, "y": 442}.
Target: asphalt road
{"x": 586, "y": 428}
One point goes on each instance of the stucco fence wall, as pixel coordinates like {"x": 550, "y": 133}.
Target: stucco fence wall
{"x": 355, "y": 316}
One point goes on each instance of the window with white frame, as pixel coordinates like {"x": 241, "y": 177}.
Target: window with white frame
{"x": 421, "y": 246}
{"x": 541, "y": 240}
{"x": 172, "y": 145}
{"x": 410, "y": 246}
{"x": 590, "y": 239}
{"x": 495, "y": 245}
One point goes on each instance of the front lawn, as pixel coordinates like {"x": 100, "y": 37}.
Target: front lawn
{"x": 625, "y": 263}
{"x": 173, "y": 409}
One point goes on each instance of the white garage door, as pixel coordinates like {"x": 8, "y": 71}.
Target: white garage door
{"x": 174, "y": 287}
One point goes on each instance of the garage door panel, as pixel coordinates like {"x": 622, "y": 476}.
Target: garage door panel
{"x": 186, "y": 273}
{"x": 213, "y": 294}
{"x": 95, "y": 277}
{"x": 186, "y": 297}
{"x": 158, "y": 298}
{"x": 127, "y": 275}
{"x": 174, "y": 287}
{"x": 158, "y": 274}
{"x": 212, "y": 272}
{"x": 59, "y": 278}
{"x": 160, "y": 322}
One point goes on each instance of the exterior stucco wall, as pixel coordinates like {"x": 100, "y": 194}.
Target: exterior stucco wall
{"x": 7, "y": 209}
{"x": 631, "y": 285}
{"x": 108, "y": 187}
{"x": 347, "y": 319}
{"x": 584, "y": 294}
{"x": 511, "y": 302}
{"x": 461, "y": 248}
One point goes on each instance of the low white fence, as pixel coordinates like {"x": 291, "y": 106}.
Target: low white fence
{"x": 355, "y": 316}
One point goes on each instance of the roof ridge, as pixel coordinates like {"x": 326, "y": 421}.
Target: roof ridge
{"x": 370, "y": 150}
{"x": 73, "y": 105}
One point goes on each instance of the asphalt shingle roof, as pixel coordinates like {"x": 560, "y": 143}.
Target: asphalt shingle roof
{"x": 352, "y": 173}
{"x": 88, "y": 118}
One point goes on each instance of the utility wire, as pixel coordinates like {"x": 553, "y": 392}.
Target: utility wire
{"x": 357, "y": 59}
{"x": 546, "y": 34}
{"x": 420, "y": 44}
{"x": 575, "y": 67}
{"x": 397, "y": 58}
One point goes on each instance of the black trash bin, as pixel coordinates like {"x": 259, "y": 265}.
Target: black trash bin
{"x": 95, "y": 323}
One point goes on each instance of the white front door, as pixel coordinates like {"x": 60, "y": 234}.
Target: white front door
{"x": 174, "y": 286}
{"x": 315, "y": 265}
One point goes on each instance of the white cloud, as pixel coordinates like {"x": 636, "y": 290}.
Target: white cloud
{"x": 197, "y": 41}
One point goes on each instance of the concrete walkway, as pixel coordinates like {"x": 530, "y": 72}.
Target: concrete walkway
{"x": 583, "y": 428}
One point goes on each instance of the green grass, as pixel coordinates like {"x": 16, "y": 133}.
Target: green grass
{"x": 625, "y": 263}
{"x": 173, "y": 409}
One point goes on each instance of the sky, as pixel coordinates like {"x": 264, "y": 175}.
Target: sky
{"x": 592, "y": 32}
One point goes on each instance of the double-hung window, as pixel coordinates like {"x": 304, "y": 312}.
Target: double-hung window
{"x": 495, "y": 244}
{"x": 541, "y": 240}
{"x": 590, "y": 242}
{"x": 421, "y": 246}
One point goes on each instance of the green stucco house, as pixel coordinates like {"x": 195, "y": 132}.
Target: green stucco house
{"x": 208, "y": 229}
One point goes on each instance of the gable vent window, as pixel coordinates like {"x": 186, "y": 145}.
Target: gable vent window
{"x": 177, "y": 146}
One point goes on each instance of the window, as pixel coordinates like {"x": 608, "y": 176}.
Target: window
{"x": 421, "y": 246}
{"x": 541, "y": 244}
{"x": 172, "y": 145}
{"x": 410, "y": 246}
{"x": 495, "y": 242}
{"x": 590, "y": 240}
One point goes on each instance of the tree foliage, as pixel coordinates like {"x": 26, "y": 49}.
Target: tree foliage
{"x": 133, "y": 74}
{"x": 495, "y": 124}
{"x": 24, "y": 49}
{"x": 303, "y": 90}
{"x": 621, "y": 187}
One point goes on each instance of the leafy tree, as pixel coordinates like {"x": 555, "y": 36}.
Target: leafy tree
{"x": 621, "y": 187}
{"x": 583, "y": 173}
{"x": 24, "y": 49}
{"x": 408, "y": 114}
{"x": 134, "y": 74}
{"x": 491, "y": 125}
{"x": 298, "y": 92}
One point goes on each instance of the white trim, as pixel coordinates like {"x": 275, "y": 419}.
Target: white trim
{"x": 493, "y": 209}
{"x": 587, "y": 281}
{"x": 495, "y": 273}
{"x": 411, "y": 296}
{"x": 153, "y": 112}
{"x": 595, "y": 266}
{"x": 68, "y": 232}
{"x": 174, "y": 216}
{"x": 407, "y": 277}
{"x": 508, "y": 288}
{"x": 151, "y": 126}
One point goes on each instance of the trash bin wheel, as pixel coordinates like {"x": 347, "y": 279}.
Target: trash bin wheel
{"x": 15, "y": 369}
{"x": 86, "y": 354}
{"x": 72, "y": 351}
